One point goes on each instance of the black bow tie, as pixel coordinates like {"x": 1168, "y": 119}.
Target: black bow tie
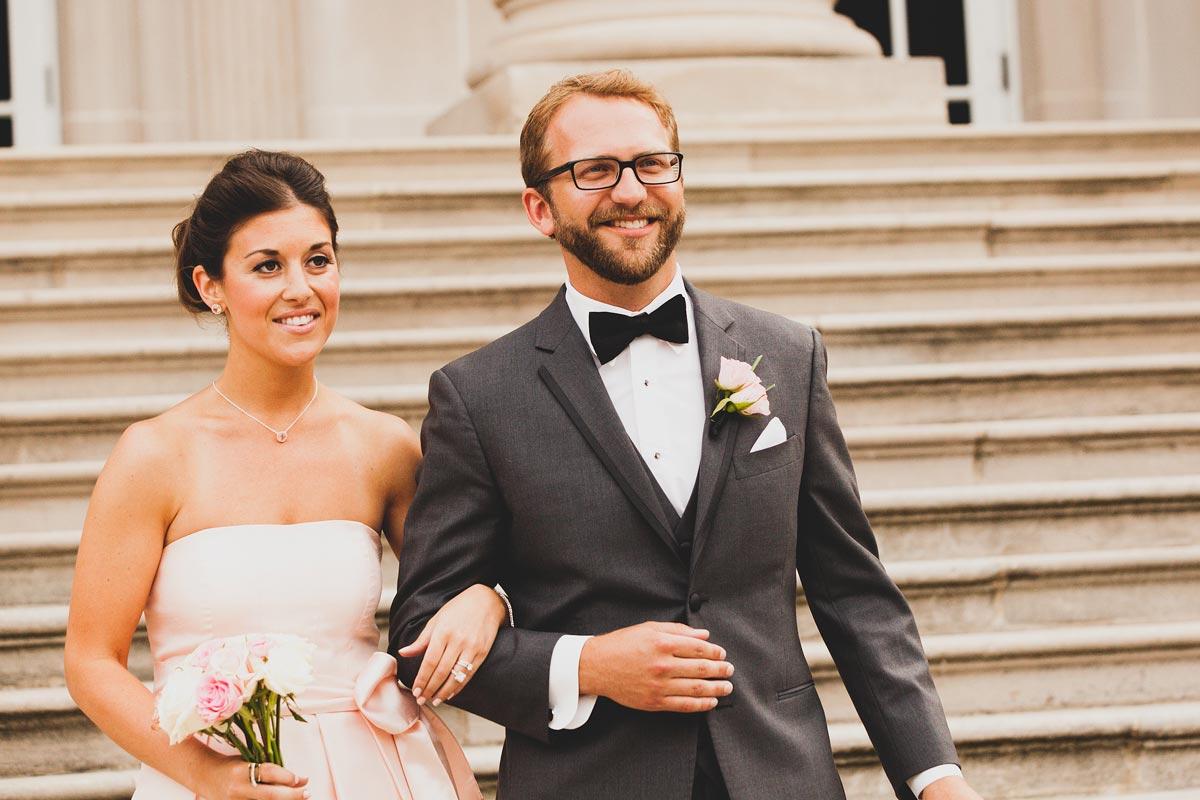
{"x": 612, "y": 333}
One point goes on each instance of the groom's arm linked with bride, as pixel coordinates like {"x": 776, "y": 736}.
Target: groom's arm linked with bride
{"x": 651, "y": 556}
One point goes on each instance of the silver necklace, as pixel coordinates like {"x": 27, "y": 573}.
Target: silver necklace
{"x": 280, "y": 436}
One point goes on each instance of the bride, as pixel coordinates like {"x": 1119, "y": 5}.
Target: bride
{"x": 256, "y": 506}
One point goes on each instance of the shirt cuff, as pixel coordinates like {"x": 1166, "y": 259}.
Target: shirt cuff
{"x": 568, "y": 709}
{"x": 918, "y": 782}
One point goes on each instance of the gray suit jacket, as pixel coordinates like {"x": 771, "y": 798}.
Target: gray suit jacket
{"x": 530, "y": 481}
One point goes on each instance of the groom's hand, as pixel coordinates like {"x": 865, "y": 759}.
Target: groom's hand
{"x": 656, "y": 666}
{"x": 949, "y": 788}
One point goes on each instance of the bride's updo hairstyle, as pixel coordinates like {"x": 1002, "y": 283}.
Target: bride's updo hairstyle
{"x": 251, "y": 183}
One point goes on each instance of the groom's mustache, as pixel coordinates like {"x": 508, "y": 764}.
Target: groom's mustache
{"x": 648, "y": 210}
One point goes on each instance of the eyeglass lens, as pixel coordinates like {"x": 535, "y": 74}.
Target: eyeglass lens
{"x": 601, "y": 173}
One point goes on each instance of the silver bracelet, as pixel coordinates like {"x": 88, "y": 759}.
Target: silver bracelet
{"x": 498, "y": 589}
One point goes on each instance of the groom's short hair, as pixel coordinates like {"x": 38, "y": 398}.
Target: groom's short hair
{"x": 610, "y": 83}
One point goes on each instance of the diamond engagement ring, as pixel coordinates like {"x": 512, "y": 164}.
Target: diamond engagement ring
{"x": 467, "y": 665}
{"x": 458, "y": 675}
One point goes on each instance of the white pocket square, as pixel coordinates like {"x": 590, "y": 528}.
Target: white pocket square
{"x": 772, "y": 435}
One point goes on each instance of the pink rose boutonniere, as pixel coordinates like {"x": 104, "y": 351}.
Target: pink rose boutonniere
{"x": 740, "y": 391}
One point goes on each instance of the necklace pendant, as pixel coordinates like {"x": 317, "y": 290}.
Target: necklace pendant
{"x": 281, "y": 437}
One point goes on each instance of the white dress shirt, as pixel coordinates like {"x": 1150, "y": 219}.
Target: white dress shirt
{"x": 657, "y": 390}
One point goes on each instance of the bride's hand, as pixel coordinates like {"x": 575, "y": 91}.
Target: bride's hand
{"x": 455, "y": 642}
{"x": 232, "y": 780}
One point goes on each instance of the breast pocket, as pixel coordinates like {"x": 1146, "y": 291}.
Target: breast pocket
{"x": 747, "y": 465}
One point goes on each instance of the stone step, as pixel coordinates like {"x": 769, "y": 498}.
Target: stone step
{"x": 866, "y": 395}
{"x": 94, "y": 785}
{"x": 139, "y": 366}
{"x": 36, "y": 570}
{"x": 763, "y": 240}
{"x": 984, "y": 594}
{"x": 808, "y": 290}
{"x": 954, "y": 595}
{"x": 979, "y": 335}
{"x": 711, "y": 195}
{"x": 118, "y": 784}
{"x": 459, "y": 158}
{"x": 1039, "y": 517}
{"x": 1179, "y": 794}
{"x": 31, "y": 646}
{"x": 974, "y": 597}
{"x": 33, "y": 494}
{"x": 885, "y": 456}
{"x": 92, "y": 367}
{"x": 1030, "y": 389}
{"x": 1106, "y": 751}
{"x": 1051, "y": 668}
{"x": 1100, "y": 752}
{"x": 1011, "y": 451}
{"x": 923, "y": 522}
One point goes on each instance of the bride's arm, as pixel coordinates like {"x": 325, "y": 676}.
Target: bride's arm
{"x": 119, "y": 551}
{"x": 462, "y": 632}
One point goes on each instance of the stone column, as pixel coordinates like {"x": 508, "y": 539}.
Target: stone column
{"x": 722, "y": 64}
{"x": 231, "y": 70}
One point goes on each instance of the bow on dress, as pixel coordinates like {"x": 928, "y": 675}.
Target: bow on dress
{"x": 431, "y": 756}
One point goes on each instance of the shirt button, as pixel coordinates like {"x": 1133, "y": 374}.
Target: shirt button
{"x": 657, "y": 456}
{"x": 646, "y": 382}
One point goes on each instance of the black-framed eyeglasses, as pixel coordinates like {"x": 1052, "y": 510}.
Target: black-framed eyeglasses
{"x": 593, "y": 174}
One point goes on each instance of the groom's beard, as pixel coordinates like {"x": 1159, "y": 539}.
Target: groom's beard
{"x": 631, "y": 262}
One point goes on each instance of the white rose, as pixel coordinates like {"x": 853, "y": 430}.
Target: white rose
{"x": 288, "y": 666}
{"x": 231, "y": 660}
{"x": 175, "y": 710}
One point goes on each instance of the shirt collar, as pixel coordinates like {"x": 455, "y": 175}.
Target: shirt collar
{"x": 581, "y": 305}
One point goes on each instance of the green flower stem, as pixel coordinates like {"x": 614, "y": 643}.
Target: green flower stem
{"x": 246, "y": 743}
{"x": 278, "y": 748}
{"x": 231, "y": 738}
{"x": 245, "y": 721}
{"x": 262, "y": 717}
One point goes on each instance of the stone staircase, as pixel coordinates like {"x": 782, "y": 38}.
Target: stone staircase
{"x": 1013, "y": 321}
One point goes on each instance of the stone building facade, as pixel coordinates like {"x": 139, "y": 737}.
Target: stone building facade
{"x": 129, "y": 71}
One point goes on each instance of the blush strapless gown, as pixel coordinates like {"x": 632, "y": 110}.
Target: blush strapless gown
{"x": 365, "y": 738}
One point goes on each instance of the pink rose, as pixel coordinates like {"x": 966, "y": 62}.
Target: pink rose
{"x": 202, "y": 655}
{"x": 760, "y": 406}
{"x": 218, "y": 698}
{"x": 751, "y": 400}
{"x": 735, "y": 375}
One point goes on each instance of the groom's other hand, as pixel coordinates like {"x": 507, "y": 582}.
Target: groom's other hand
{"x": 656, "y": 666}
{"x": 950, "y": 788}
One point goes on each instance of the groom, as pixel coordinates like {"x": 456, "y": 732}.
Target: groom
{"x": 650, "y": 553}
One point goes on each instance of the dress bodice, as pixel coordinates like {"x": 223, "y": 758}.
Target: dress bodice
{"x": 319, "y": 580}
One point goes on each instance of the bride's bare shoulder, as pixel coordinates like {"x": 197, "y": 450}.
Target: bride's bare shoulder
{"x": 385, "y": 435}
{"x": 149, "y": 464}
{"x": 163, "y": 436}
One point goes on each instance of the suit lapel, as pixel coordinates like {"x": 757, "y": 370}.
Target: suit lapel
{"x": 712, "y": 334}
{"x": 570, "y": 374}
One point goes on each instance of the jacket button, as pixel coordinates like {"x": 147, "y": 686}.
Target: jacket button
{"x": 696, "y": 601}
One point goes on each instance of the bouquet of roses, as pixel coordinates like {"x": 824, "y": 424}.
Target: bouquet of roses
{"x": 234, "y": 688}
